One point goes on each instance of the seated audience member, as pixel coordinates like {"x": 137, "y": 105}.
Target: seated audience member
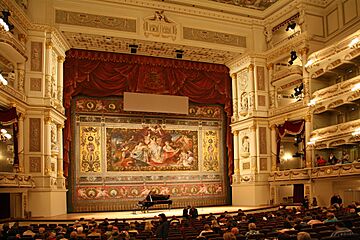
{"x": 229, "y": 236}
{"x": 73, "y": 235}
{"x": 207, "y": 229}
{"x": 320, "y": 161}
{"x": 148, "y": 227}
{"x": 299, "y": 224}
{"x": 330, "y": 217}
{"x": 93, "y": 232}
{"x": 345, "y": 158}
{"x": 29, "y": 232}
{"x": 80, "y": 232}
{"x": 287, "y": 227}
{"x": 236, "y": 232}
{"x": 303, "y": 236}
{"x": 132, "y": 229}
{"x": 174, "y": 221}
{"x": 211, "y": 217}
{"x": 315, "y": 220}
{"x": 332, "y": 159}
{"x": 41, "y": 234}
{"x": 52, "y": 236}
{"x": 314, "y": 202}
{"x": 283, "y": 236}
{"x": 341, "y": 230}
{"x": 215, "y": 226}
{"x": 252, "y": 229}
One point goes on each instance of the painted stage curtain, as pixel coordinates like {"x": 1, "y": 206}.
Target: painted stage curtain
{"x": 289, "y": 127}
{"x": 101, "y": 74}
{"x": 10, "y": 117}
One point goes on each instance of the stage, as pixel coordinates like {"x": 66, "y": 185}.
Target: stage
{"x": 151, "y": 213}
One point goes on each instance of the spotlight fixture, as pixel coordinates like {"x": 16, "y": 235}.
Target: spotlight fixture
{"x": 4, "y": 135}
{"x": 133, "y": 48}
{"x": 3, "y": 81}
{"x": 179, "y": 53}
{"x": 4, "y": 21}
{"x": 293, "y": 56}
{"x": 291, "y": 25}
{"x": 298, "y": 92}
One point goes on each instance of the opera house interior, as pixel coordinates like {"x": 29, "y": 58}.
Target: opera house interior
{"x": 245, "y": 103}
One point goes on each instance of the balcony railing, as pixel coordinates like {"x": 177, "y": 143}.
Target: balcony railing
{"x": 337, "y": 170}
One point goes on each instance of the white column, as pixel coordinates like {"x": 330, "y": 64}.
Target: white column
{"x": 308, "y": 130}
{"x": 21, "y": 143}
{"x": 253, "y": 148}
{"x": 48, "y": 69}
{"x": 251, "y": 88}
{"x": 60, "y": 84}
{"x": 234, "y": 97}
{"x": 236, "y": 156}
{"x": 273, "y": 147}
{"x": 47, "y": 146}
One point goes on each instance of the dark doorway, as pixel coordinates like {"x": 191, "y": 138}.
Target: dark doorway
{"x": 5, "y": 205}
{"x": 298, "y": 193}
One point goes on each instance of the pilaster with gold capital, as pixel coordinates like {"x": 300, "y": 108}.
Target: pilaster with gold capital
{"x": 234, "y": 96}
{"x": 273, "y": 147}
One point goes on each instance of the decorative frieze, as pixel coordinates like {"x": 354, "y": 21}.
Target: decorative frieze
{"x": 214, "y": 37}
{"x": 16, "y": 180}
{"x": 95, "y": 21}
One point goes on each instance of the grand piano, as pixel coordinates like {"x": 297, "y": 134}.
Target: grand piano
{"x": 154, "y": 199}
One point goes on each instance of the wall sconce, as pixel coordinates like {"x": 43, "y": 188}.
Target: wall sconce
{"x": 309, "y": 63}
{"x": 3, "y": 81}
{"x": 312, "y": 102}
{"x": 133, "y": 48}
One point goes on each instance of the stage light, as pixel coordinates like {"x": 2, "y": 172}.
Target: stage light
{"x": 291, "y": 25}
{"x": 354, "y": 42}
{"x": 133, "y": 48}
{"x": 179, "y": 54}
{"x": 3, "y": 81}
{"x": 4, "y": 21}
{"x": 293, "y": 57}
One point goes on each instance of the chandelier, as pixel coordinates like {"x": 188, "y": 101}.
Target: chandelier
{"x": 4, "y": 135}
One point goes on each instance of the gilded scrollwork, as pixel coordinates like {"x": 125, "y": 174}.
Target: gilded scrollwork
{"x": 211, "y": 151}
{"x": 90, "y": 149}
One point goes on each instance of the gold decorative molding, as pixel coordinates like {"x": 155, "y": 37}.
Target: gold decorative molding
{"x": 16, "y": 180}
{"x": 95, "y": 21}
{"x": 160, "y": 25}
{"x": 214, "y": 37}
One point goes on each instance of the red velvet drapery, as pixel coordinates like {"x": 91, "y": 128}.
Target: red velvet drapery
{"x": 289, "y": 127}
{"x": 8, "y": 117}
{"x": 103, "y": 74}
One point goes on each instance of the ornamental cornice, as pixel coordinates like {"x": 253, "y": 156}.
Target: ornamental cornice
{"x": 54, "y": 35}
{"x": 291, "y": 71}
{"x": 192, "y": 10}
{"x": 9, "y": 39}
{"x": 242, "y": 62}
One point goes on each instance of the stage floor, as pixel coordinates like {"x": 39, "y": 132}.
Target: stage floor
{"x": 150, "y": 214}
